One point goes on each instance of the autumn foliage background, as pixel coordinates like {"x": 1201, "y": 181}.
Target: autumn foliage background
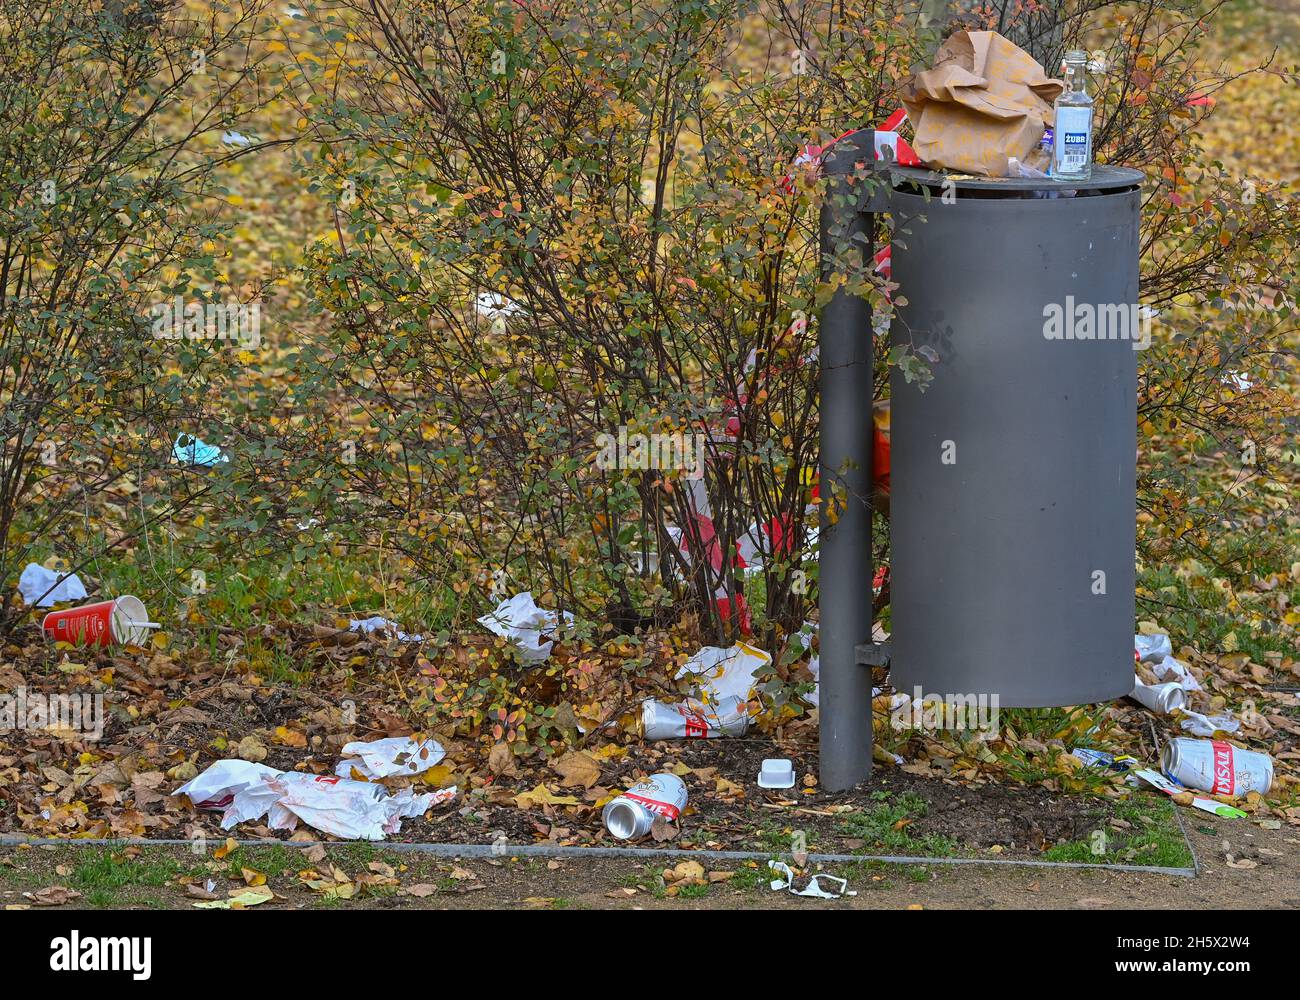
{"x": 367, "y": 171}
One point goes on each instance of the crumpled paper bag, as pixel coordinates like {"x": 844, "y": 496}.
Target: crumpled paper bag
{"x": 986, "y": 99}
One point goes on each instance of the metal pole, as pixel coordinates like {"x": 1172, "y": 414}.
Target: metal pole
{"x": 844, "y": 562}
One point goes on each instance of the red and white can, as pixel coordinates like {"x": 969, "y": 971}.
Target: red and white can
{"x": 693, "y": 719}
{"x": 122, "y": 620}
{"x": 1217, "y": 767}
{"x": 633, "y": 813}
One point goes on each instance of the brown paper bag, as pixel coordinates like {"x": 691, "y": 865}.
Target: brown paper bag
{"x": 985, "y": 99}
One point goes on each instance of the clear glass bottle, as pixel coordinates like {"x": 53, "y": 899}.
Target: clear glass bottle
{"x": 1072, "y": 156}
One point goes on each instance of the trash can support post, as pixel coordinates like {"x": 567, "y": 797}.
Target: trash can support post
{"x": 844, "y": 560}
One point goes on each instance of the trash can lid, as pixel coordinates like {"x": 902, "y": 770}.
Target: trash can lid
{"x": 1104, "y": 178}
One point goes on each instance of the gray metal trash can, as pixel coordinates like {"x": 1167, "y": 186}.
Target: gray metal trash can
{"x": 1012, "y": 474}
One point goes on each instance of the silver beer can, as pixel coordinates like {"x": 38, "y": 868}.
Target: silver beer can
{"x": 633, "y": 813}
{"x": 1217, "y": 767}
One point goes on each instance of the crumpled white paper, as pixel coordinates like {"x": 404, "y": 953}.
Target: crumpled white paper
{"x": 341, "y": 807}
{"x": 385, "y": 758}
{"x": 350, "y": 810}
{"x": 785, "y": 880}
{"x": 216, "y": 787}
{"x": 520, "y": 620}
{"x": 368, "y": 625}
{"x": 725, "y": 673}
{"x": 1207, "y": 725}
{"x": 494, "y": 305}
{"x": 36, "y": 580}
{"x": 1170, "y": 669}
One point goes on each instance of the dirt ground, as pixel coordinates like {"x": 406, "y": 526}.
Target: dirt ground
{"x": 1241, "y": 866}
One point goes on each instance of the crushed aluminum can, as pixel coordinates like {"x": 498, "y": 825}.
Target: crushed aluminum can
{"x": 1160, "y": 698}
{"x": 1217, "y": 767}
{"x": 633, "y": 813}
{"x": 694, "y": 719}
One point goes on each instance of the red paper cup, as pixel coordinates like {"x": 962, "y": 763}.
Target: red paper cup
{"x": 101, "y": 624}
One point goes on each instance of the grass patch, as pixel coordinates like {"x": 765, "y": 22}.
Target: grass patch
{"x": 886, "y": 827}
{"x": 1153, "y": 837}
{"x": 107, "y": 871}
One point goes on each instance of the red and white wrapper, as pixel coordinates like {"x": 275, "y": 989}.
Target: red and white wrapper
{"x": 693, "y": 719}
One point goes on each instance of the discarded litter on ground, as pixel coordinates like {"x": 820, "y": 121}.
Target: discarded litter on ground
{"x": 1206, "y": 725}
{"x": 1216, "y": 766}
{"x": 776, "y": 772}
{"x": 44, "y": 588}
{"x": 1160, "y": 698}
{"x": 378, "y": 623}
{"x": 1152, "y": 648}
{"x": 530, "y": 628}
{"x": 397, "y": 755}
{"x": 632, "y": 814}
{"x": 341, "y": 807}
{"x": 122, "y": 620}
{"x": 1104, "y": 760}
{"x": 785, "y": 880}
{"x": 693, "y": 719}
{"x": 189, "y": 450}
{"x": 1185, "y": 796}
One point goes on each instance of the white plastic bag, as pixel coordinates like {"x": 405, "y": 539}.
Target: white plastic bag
{"x": 218, "y": 785}
{"x": 385, "y": 758}
{"x": 725, "y": 673}
{"x": 36, "y": 580}
{"x": 1152, "y": 648}
{"x": 520, "y": 620}
{"x": 350, "y": 810}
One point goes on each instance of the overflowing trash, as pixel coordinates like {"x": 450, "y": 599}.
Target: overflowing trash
{"x": 1216, "y": 766}
{"x": 530, "y": 628}
{"x": 340, "y": 807}
{"x": 189, "y": 450}
{"x": 785, "y": 880}
{"x": 693, "y": 719}
{"x": 776, "y": 772}
{"x": 632, "y": 814}
{"x": 985, "y": 100}
{"x": 387, "y": 758}
{"x": 378, "y": 623}
{"x": 44, "y": 588}
{"x": 122, "y": 620}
